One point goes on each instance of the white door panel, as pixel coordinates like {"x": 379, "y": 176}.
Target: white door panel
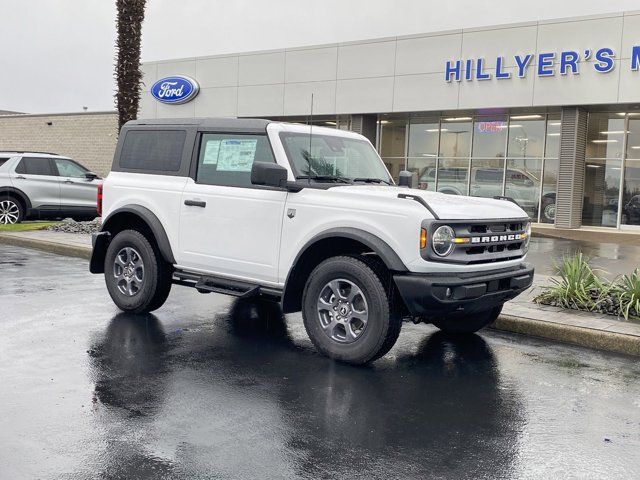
{"x": 236, "y": 233}
{"x": 78, "y": 192}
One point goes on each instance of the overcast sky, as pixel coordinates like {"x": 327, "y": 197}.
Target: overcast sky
{"x": 58, "y": 55}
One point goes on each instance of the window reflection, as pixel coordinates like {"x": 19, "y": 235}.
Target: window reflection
{"x": 522, "y": 183}
{"x": 453, "y": 175}
{"x": 489, "y": 137}
{"x": 601, "y": 192}
{"x": 487, "y": 176}
{"x": 631, "y": 185}
{"x": 455, "y": 138}
{"x": 526, "y": 138}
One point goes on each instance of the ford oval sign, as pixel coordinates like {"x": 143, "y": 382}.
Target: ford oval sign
{"x": 175, "y": 90}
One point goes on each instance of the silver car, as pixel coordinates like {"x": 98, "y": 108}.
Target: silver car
{"x": 39, "y": 185}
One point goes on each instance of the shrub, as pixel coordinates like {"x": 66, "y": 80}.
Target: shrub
{"x": 626, "y": 291}
{"x": 578, "y": 286}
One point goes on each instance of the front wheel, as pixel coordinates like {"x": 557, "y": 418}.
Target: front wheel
{"x": 469, "y": 323}
{"x": 347, "y": 312}
{"x": 137, "y": 277}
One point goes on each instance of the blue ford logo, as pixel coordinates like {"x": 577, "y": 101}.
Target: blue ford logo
{"x": 177, "y": 89}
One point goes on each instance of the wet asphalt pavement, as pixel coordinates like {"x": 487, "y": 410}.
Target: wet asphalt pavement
{"x": 209, "y": 387}
{"x": 611, "y": 259}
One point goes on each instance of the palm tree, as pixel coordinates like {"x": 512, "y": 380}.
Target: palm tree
{"x": 128, "y": 75}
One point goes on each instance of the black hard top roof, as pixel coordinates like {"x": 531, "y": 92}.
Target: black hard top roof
{"x": 218, "y": 123}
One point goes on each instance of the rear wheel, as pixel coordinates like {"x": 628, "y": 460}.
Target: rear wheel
{"x": 470, "y": 323}
{"x": 11, "y": 211}
{"x": 137, "y": 277}
{"x": 347, "y": 311}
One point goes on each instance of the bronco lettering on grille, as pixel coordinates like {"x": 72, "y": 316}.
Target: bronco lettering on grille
{"x": 512, "y": 237}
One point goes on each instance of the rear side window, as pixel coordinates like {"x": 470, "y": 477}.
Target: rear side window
{"x": 155, "y": 150}
{"x": 3, "y": 161}
{"x": 35, "y": 166}
{"x": 226, "y": 159}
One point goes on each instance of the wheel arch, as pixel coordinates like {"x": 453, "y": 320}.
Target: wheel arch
{"x": 135, "y": 217}
{"x": 331, "y": 243}
{"x": 19, "y": 194}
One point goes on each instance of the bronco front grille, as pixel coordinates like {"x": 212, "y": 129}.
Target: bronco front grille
{"x": 484, "y": 242}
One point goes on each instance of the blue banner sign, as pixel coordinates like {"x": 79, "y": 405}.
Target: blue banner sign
{"x": 175, "y": 90}
{"x": 548, "y": 64}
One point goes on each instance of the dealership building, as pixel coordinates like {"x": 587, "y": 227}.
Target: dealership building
{"x": 545, "y": 112}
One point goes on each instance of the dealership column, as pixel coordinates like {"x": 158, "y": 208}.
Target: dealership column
{"x": 569, "y": 193}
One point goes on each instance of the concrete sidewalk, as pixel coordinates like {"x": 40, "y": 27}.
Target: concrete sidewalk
{"x": 521, "y": 315}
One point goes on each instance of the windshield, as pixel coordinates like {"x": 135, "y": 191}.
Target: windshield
{"x": 333, "y": 156}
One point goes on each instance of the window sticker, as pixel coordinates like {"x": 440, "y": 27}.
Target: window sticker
{"x": 236, "y": 155}
{"x": 211, "y": 151}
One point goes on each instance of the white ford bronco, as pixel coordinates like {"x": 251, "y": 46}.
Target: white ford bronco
{"x": 308, "y": 217}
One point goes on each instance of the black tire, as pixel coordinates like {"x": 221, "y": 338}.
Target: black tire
{"x": 156, "y": 274}
{"x": 470, "y": 323}
{"x": 383, "y": 324}
{"x": 11, "y": 210}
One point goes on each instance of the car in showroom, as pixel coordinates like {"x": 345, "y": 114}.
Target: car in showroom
{"x": 45, "y": 185}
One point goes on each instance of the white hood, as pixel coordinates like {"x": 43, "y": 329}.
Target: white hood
{"x": 447, "y": 207}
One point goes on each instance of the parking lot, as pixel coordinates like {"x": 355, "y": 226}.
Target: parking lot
{"x": 210, "y": 387}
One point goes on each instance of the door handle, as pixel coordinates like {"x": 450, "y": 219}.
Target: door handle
{"x": 19, "y": 177}
{"x": 68, "y": 181}
{"x": 195, "y": 203}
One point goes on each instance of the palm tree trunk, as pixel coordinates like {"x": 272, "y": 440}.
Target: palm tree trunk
{"x": 128, "y": 75}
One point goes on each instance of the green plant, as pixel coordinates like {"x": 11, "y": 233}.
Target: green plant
{"x": 626, "y": 291}
{"x": 578, "y": 287}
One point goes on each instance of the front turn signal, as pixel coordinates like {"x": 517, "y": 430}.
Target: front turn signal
{"x": 423, "y": 238}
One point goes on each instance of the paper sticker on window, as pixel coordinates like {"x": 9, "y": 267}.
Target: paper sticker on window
{"x": 236, "y": 155}
{"x": 211, "y": 151}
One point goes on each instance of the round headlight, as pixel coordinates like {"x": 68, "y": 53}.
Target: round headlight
{"x": 442, "y": 240}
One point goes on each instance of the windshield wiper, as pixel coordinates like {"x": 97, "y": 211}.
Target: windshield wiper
{"x": 326, "y": 178}
{"x": 371, "y": 180}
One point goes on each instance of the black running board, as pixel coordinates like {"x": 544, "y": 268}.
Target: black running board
{"x": 226, "y": 286}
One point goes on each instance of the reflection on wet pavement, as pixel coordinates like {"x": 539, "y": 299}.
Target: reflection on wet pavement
{"x": 614, "y": 259}
{"x": 210, "y": 387}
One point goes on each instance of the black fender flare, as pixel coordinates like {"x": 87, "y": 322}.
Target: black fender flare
{"x": 102, "y": 239}
{"x": 376, "y": 244}
{"x": 371, "y": 241}
{"x": 18, "y": 193}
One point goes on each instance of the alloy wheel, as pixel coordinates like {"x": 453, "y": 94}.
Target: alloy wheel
{"x": 128, "y": 270}
{"x": 343, "y": 312}
{"x": 9, "y": 212}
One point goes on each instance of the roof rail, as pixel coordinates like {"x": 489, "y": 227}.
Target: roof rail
{"x": 8, "y": 150}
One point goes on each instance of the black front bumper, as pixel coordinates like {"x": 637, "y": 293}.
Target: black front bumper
{"x": 435, "y": 295}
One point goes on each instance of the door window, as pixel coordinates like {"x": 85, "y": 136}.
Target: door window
{"x": 34, "y": 166}
{"x": 67, "y": 168}
{"x": 226, "y": 159}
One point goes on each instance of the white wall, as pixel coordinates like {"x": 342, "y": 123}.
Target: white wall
{"x": 407, "y": 73}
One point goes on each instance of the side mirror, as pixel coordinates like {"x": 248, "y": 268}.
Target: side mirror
{"x": 90, "y": 176}
{"x": 269, "y": 174}
{"x": 404, "y": 178}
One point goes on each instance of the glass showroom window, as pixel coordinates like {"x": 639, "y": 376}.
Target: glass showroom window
{"x": 550, "y": 171}
{"x": 631, "y": 184}
{"x": 424, "y": 135}
{"x": 488, "y": 152}
{"x": 605, "y": 147}
{"x": 454, "y": 156}
{"x": 524, "y": 166}
{"x": 393, "y": 144}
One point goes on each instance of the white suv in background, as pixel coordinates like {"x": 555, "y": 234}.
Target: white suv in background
{"x": 307, "y": 217}
{"x": 37, "y": 185}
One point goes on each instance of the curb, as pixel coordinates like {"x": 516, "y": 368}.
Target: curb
{"x": 581, "y": 336}
{"x": 51, "y": 247}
